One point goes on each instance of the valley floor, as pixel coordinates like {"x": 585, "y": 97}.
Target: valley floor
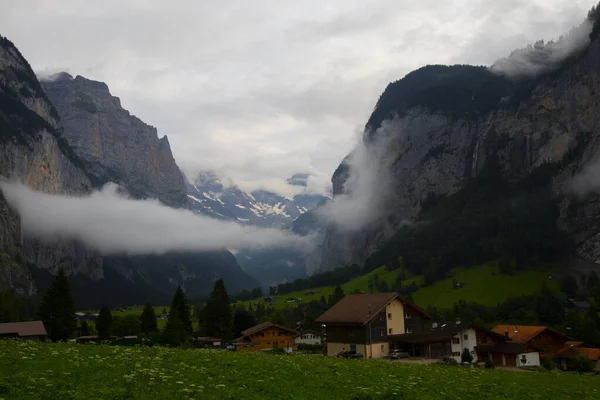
{"x": 32, "y": 370}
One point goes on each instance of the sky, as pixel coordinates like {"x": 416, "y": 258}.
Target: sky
{"x": 260, "y": 90}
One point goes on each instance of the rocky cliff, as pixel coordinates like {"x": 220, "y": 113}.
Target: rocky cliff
{"x": 449, "y": 123}
{"x": 114, "y": 145}
{"x": 33, "y": 150}
{"x": 101, "y": 142}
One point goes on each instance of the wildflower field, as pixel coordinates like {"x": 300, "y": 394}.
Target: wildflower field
{"x": 63, "y": 371}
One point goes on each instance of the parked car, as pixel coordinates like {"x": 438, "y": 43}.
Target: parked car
{"x": 397, "y": 354}
{"x": 349, "y": 354}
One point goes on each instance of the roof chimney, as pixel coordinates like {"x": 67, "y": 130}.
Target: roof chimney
{"x": 369, "y": 310}
{"x": 506, "y": 333}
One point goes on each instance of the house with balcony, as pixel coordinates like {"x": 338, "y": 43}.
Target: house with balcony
{"x": 266, "y": 336}
{"x": 364, "y": 322}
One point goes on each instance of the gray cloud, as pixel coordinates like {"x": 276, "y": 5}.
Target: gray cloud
{"x": 542, "y": 57}
{"x": 368, "y": 184}
{"x": 261, "y": 90}
{"x": 588, "y": 180}
{"x": 110, "y": 223}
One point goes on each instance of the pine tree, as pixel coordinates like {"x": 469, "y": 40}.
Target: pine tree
{"x": 148, "y": 319}
{"x": 57, "y": 311}
{"x": 218, "y": 318}
{"x": 84, "y": 329}
{"x": 338, "y": 294}
{"x": 181, "y": 310}
{"x": 9, "y": 307}
{"x": 104, "y": 322}
{"x": 466, "y": 356}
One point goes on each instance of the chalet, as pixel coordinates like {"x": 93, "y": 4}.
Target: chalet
{"x": 266, "y": 335}
{"x": 363, "y": 323}
{"x": 31, "y": 330}
{"x": 524, "y": 346}
{"x": 546, "y": 340}
{"x": 573, "y": 350}
{"x": 445, "y": 339}
{"x": 308, "y": 337}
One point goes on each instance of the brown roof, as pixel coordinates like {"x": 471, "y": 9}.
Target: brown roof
{"x": 572, "y": 352}
{"x": 23, "y": 329}
{"x": 264, "y": 325}
{"x": 524, "y": 333}
{"x": 360, "y": 308}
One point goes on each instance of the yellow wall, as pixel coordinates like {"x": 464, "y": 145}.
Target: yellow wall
{"x": 396, "y": 308}
{"x": 334, "y": 349}
{"x": 375, "y": 350}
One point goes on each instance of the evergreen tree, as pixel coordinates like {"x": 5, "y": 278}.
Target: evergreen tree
{"x": 57, "y": 311}
{"x": 338, "y": 294}
{"x": 242, "y": 320}
{"x": 466, "y": 356}
{"x": 148, "y": 320}
{"x": 84, "y": 329}
{"x": 126, "y": 325}
{"x": 9, "y": 307}
{"x": 104, "y": 322}
{"x": 218, "y": 318}
{"x": 181, "y": 310}
{"x": 568, "y": 285}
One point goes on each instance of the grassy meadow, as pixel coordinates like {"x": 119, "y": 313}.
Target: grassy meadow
{"x": 33, "y": 370}
{"x": 482, "y": 284}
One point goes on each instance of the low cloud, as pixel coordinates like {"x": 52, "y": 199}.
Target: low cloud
{"x": 587, "y": 181}
{"x": 113, "y": 224}
{"x": 368, "y": 186}
{"x": 543, "y": 57}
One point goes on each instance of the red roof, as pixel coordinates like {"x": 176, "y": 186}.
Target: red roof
{"x": 572, "y": 352}
{"x": 23, "y": 329}
{"x": 524, "y": 333}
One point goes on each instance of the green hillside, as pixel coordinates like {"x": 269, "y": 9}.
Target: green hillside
{"x": 483, "y": 285}
{"x": 360, "y": 283}
{"x": 480, "y": 284}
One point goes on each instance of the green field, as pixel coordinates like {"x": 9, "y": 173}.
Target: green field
{"x": 483, "y": 285}
{"x": 359, "y": 283}
{"x": 33, "y": 370}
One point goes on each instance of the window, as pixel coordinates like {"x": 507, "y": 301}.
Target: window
{"x": 408, "y": 330}
{"x": 382, "y": 348}
{"x": 407, "y": 315}
{"x": 351, "y": 333}
{"x": 466, "y": 337}
{"x": 381, "y": 317}
{"x": 381, "y": 333}
{"x": 455, "y": 340}
{"x": 456, "y": 354}
{"x": 268, "y": 342}
{"x": 390, "y": 331}
{"x": 479, "y": 339}
{"x": 390, "y": 315}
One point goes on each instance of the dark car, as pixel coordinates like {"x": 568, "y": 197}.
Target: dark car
{"x": 397, "y": 354}
{"x": 349, "y": 354}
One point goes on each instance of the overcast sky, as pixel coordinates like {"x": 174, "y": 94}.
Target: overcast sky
{"x": 259, "y": 90}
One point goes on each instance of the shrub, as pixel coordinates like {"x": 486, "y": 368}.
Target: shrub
{"x": 489, "y": 364}
{"x": 466, "y": 356}
{"x": 582, "y": 364}
{"x": 550, "y": 363}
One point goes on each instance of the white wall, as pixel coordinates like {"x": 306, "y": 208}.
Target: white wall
{"x": 470, "y": 343}
{"x": 309, "y": 338}
{"x": 532, "y": 359}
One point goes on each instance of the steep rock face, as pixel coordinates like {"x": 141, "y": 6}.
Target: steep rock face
{"x": 33, "y": 151}
{"x": 436, "y": 151}
{"x": 115, "y": 145}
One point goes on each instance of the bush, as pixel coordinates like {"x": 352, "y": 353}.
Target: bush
{"x": 489, "y": 364}
{"x": 582, "y": 364}
{"x": 466, "y": 356}
{"x": 550, "y": 363}
{"x": 311, "y": 348}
